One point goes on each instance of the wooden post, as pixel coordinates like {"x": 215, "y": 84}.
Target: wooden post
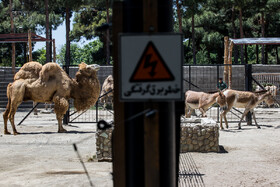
{"x": 12, "y": 31}
{"x": 118, "y": 148}
{"x": 54, "y": 52}
{"x": 30, "y": 59}
{"x": 30, "y": 45}
{"x": 151, "y": 124}
{"x": 230, "y": 66}
{"x": 226, "y": 40}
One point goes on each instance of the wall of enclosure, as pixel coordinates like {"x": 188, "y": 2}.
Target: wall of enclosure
{"x": 197, "y": 78}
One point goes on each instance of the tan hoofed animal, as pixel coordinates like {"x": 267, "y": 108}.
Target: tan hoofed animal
{"x": 107, "y": 91}
{"x": 49, "y": 83}
{"x": 244, "y": 99}
{"x": 201, "y": 101}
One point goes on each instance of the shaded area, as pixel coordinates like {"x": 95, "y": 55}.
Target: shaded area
{"x": 189, "y": 174}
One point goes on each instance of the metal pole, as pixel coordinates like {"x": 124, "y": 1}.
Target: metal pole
{"x": 218, "y": 108}
{"x": 248, "y": 85}
{"x": 190, "y": 76}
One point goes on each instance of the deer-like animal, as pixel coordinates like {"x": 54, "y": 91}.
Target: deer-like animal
{"x": 243, "y": 99}
{"x": 201, "y": 101}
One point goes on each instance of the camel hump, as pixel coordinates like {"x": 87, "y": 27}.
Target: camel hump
{"x": 50, "y": 69}
{"x": 29, "y": 70}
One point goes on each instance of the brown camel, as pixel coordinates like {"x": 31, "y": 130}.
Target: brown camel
{"x": 107, "y": 91}
{"x": 49, "y": 83}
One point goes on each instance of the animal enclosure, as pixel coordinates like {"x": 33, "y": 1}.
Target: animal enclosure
{"x": 196, "y": 78}
{"x": 97, "y": 112}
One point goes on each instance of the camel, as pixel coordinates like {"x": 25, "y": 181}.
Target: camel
{"x": 107, "y": 91}
{"x": 201, "y": 101}
{"x": 244, "y": 99}
{"x": 49, "y": 83}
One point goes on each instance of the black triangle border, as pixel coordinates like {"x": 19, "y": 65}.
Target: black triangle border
{"x": 163, "y": 63}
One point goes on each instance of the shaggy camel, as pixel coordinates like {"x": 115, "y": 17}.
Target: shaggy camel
{"x": 107, "y": 91}
{"x": 49, "y": 83}
{"x": 201, "y": 101}
{"x": 244, "y": 99}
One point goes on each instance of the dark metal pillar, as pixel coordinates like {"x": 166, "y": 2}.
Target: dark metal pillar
{"x": 248, "y": 86}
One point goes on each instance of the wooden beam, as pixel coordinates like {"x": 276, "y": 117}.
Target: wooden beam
{"x": 30, "y": 45}
{"x": 54, "y": 52}
{"x": 230, "y": 65}
{"x": 151, "y": 124}
{"x": 119, "y": 149}
{"x": 226, "y": 41}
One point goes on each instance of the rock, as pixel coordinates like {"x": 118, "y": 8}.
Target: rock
{"x": 104, "y": 134}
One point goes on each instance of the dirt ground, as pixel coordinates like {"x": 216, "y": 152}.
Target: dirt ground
{"x": 39, "y": 156}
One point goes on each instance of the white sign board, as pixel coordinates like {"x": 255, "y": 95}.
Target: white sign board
{"x": 151, "y": 67}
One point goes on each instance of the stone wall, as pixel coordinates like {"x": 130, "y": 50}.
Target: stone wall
{"x": 199, "y": 135}
{"x": 104, "y": 145}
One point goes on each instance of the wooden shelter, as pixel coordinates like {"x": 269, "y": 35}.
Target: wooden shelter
{"x": 27, "y": 38}
{"x": 228, "y": 47}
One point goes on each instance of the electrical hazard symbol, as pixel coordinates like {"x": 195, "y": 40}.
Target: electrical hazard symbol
{"x": 151, "y": 67}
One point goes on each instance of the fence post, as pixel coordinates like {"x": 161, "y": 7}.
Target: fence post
{"x": 190, "y": 77}
{"x": 218, "y": 107}
{"x": 248, "y": 87}
{"x": 66, "y": 117}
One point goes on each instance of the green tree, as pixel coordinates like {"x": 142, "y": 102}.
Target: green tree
{"x": 90, "y": 53}
{"x": 89, "y": 19}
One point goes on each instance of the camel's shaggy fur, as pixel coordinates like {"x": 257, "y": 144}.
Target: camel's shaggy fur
{"x": 107, "y": 91}
{"x": 52, "y": 85}
{"x": 29, "y": 71}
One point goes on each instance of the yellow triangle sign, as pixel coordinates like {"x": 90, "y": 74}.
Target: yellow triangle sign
{"x": 151, "y": 67}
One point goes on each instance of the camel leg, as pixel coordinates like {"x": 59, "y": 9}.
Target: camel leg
{"x": 253, "y": 112}
{"x": 16, "y": 95}
{"x": 60, "y": 107}
{"x": 5, "y": 117}
{"x": 12, "y": 119}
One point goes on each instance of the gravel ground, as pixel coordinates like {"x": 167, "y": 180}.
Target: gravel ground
{"x": 39, "y": 156}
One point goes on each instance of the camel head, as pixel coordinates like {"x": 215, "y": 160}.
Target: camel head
{"x": 86, "y": 71}
{"x": 87, "y": 89}
{"x": 222, "y": 100}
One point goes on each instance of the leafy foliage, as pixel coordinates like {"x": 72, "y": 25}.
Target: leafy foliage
{"x": 215, "y": 19}
{"x": 90, "y": 53}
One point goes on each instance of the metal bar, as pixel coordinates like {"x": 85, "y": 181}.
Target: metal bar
{"x": 77, "y": 116}
{"x": 28, "y": 114}
{"x": 192, "y": 84}
{"x": 218, "y": 109}
{"x": 96, "y": 110}
{"x": 264, "y": 89}
{"x": 189, "y": 77}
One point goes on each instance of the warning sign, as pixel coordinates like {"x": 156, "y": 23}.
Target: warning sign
{"x": 151, "y": 67}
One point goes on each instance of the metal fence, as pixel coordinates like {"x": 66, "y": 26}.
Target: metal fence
{"x": 269, "y": 81}
{"x": 96, "y": 112}
{"x": 197, "y": 78}
{"x": 205, "y": 78}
